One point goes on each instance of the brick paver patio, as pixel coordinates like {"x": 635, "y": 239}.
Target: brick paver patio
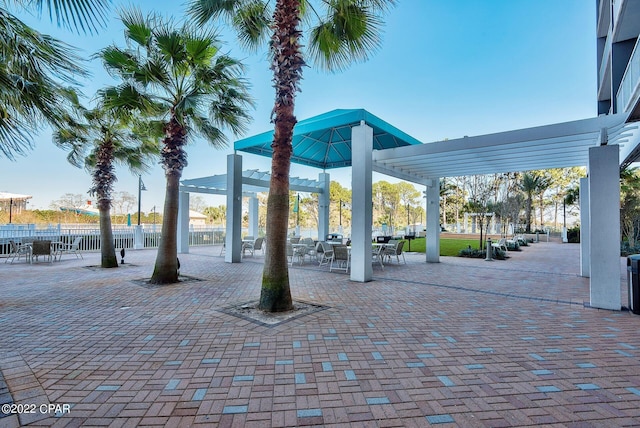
{"x": 460, "y": 343}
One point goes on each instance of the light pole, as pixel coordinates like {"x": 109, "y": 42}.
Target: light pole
{"x": 141, "y": 187}
{"x": 154, "y": 218}
{"x": 138, "y": 237}
{"x": 10, "y": 209}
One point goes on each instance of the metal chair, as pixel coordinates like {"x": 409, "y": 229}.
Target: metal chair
{"x": 395, "y": 251}
{"x": 341, "y": 258}
{"x": 377, "y": 255}
{"x": 252, "y": 247}
{"x": 292, "y": 254}
{"x": 324, "y": 252}
{"x": 73, "y": 248}
{"x": 18, "y": 250}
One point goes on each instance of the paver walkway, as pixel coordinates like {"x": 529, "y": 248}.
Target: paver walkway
{"x": 460, "y": 343}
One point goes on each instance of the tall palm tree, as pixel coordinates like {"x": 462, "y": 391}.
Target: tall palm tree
{"x": 531, "y": 185}
{"x": 340, "y": 32}
{"x": 35, "y": 69}
{"x": 98, "y": 140}
{"x": 178, "y": 76}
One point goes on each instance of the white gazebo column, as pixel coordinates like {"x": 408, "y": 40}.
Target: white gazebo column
{"x": 323, "y": 206}
{"x": 361, "y": 202}
{"x": 183, "y": 223}
{"x": 433, "y": 221}
{"x": 233, "y": 239}
{"x": 585, "y": 233}
{"x": 604, "y": 227}
{"x": 253, "y": 216}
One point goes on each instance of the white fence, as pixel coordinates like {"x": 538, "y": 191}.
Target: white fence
{"x": 90, "y": 233}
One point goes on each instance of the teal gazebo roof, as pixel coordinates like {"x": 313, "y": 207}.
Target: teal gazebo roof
{"x": 324, "y": 141}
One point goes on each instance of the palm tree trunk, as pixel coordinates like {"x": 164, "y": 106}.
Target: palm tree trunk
{"x": 275, "y": 295}
{"x": 174, "y": 159}
{"x": 166, "y": 267}
{"x": 103, "y": 179}
{"x": 528, "y": 213}
{"x": 107, "y": 245}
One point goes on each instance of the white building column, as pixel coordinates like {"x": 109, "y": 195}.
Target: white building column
{"x": 182, "y": 237}
{"x": 585, "y": 232}
{"x": 323, "y": 206}
{"x": 433, "y": 221}
{"x": 361, "y": 202}
{"x": 253, "y": 216}
{"x": 604, "y": 222}
{"x": 233, "y": 240}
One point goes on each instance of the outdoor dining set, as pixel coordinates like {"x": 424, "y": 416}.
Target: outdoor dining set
{"x": 50, "y": 250}
{"x": 333, "y": 253}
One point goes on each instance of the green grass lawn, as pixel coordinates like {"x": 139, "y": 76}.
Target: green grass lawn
{"x": 448, "y": 247}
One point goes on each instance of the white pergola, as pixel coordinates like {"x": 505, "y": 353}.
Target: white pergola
{"x": 552, "y": 146}
{"x": 602, "y": 144}
{"x": 248, "y": 184}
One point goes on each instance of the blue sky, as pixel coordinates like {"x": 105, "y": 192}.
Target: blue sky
{"x": 446, "y": 69}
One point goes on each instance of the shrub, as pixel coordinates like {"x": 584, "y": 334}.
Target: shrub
{"x": 513, "y": 246}
{"x": 573, "y": 235}
{"x": 475, "y": 253}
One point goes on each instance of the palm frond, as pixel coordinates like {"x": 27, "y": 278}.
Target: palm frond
{"x": 87, "y": 16}
{"x": 252, "y": 24}
{"x": 205, "y": 10}
{"x": 350, "y": 32}
{"x": 138, "y": 28}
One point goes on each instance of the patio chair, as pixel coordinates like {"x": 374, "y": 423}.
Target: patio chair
{"x": 501, "y": 244}
{"x": 247, "y": 245}
{"x": 310, "y": 249}
{"x": 254, "y": 246}
{"x": 341, "y": 258}
{"x": 395, "y": 251}
{"x": 377, "y": 256}
{"x": 259, "y": 245}
{"x": 18, "y": 250}
{"x": 73, "y": 248}
{"x": 41, "y": 248}
{"x": 324, "y": 252}
{"x": 292, "y": 254}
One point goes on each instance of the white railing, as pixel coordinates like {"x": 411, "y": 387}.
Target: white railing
{"x": 630, "y": 86}
{"x": 122, "y": 235}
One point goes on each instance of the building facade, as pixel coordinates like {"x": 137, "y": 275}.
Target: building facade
{"x": 618, "y": 57}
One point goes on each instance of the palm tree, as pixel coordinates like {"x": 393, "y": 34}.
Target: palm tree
{"x": 178, "y": 76}
{"x": 340, "y": 32}
{"x": 99, "y": 140}
{"x": 532, "y": 184}
{"x": 36, "y": 69}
